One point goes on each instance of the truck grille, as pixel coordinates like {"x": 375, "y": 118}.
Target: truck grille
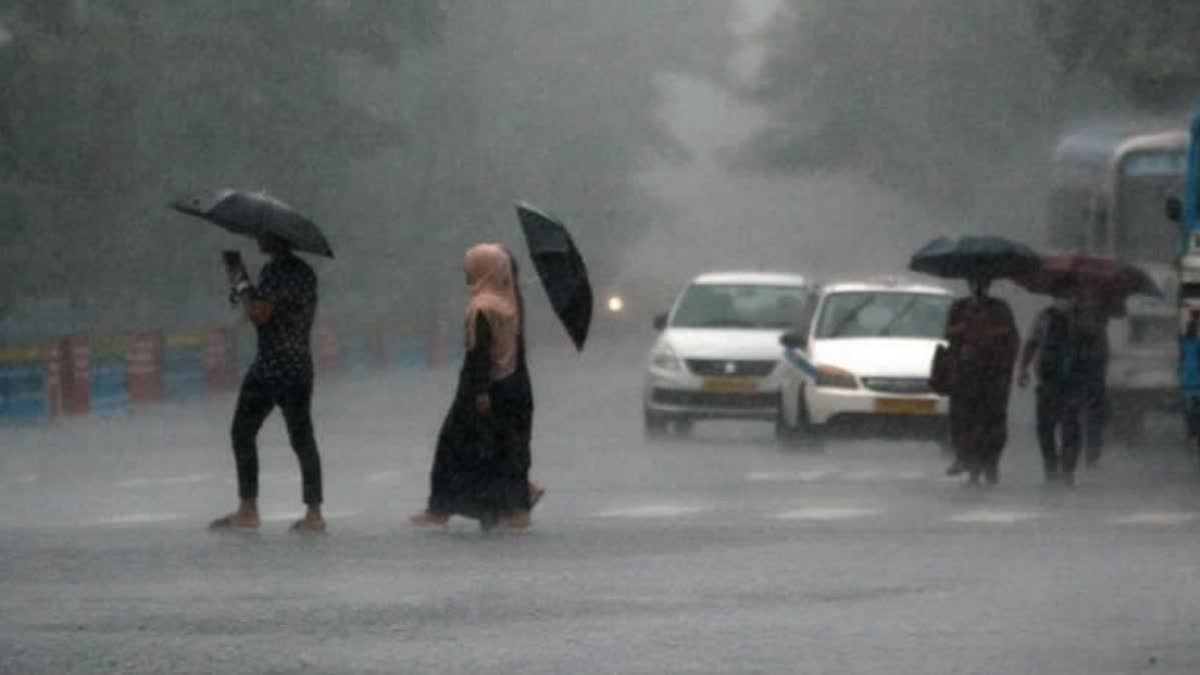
{"x": 730, "y": 367}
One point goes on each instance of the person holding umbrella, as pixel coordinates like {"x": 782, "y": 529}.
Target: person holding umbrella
{"x": 1091, "y": 290}
{"x": 481, "y": 464}
{"x": 1055, "y": 343}
{"x": 982, "y": 337}
{"x": 282, "y": 307}
{"x": 536, "y": 491}
{"x": 982, "y": 346}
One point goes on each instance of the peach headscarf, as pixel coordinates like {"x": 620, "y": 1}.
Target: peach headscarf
{"x": 489, "y": 275}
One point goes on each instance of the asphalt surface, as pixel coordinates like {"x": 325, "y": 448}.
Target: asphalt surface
{"x": 720, "y": 553}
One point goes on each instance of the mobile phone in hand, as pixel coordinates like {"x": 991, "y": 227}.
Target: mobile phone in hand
{"x": 232, "y": 258}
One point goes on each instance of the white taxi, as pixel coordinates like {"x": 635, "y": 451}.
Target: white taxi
{"x": 863, "y": 362}
{"x": 717, "y": 355}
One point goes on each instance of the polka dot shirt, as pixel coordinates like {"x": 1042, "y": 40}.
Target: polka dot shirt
{"x": 284, "y": 341}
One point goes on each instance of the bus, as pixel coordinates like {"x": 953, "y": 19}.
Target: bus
{"x": 1108, "y": 186}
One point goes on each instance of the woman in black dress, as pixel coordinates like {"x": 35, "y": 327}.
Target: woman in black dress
{"x": 481, "y": 466}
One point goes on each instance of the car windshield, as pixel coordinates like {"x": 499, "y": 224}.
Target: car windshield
{"x": 752, "y": 306}
{"x": 883, "y": 314}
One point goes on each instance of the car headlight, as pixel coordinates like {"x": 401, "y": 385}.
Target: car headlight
{"x": 831, "y": 377}
{"x": 665, "y": 359}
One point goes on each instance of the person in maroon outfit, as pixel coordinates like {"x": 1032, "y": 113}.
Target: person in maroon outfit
{"x": 983, "y": 344}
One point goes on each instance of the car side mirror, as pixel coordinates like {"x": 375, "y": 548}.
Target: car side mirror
{"x": 660, "y": 322}
{"x": 1174, "y": 209}
{"x": 793, "y": 340}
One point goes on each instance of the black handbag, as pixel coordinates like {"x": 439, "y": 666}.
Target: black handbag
{"x": 941, "y": 371}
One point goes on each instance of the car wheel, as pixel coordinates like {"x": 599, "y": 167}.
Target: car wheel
{"x": 683, "y": 427}
{"x": 656, "y": 425}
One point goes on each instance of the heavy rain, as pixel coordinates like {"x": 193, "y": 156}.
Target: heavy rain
{"x": 599, "y": 336}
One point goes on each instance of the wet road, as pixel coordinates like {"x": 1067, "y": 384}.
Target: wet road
{"x": 718, "y": 554}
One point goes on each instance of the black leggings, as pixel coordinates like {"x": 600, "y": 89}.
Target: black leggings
{"x": 255, "y": 402}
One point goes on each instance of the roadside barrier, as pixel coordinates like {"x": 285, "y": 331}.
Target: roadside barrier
{"x": 185, "y": 366}
{"x": 86, "y": 376}
{"x": 24, "y": 397}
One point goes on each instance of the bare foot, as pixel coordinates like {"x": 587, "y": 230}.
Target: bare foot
{"x": 427, "y": 519}
{"x": 236, "y": 521}
{"x": 309, "y": 525}
{"x": 536, "y": 492}
{"x": 517, "y": 521}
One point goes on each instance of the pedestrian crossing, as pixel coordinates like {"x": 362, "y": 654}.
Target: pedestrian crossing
{"x": 847, "y": 474}
{"x": 817, "y": 493}
{"x": 662, "y": 513}
{"x": 1000, "y": 516}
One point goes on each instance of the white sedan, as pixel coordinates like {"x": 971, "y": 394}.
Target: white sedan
{"x": 717, "y": 355}
{"x": 863, "y": 363}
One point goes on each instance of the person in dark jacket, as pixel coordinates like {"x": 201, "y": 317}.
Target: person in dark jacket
{"x": 282, "y": 308}
{"x": 982, "y": 337}
{"x": 481, "y": 464}
{"x": 1054, "y": 343}
{"x": 1091, "y": 331}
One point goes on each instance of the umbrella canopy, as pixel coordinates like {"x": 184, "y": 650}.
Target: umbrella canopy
{"x": 975, "y": 257}
{"x": 1104, "y": 277}
{"x": 561, "y": 270}
{"x": 254, "y": 213}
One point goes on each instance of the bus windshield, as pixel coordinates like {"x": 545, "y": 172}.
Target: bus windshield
{"x": 1143, "y": 231}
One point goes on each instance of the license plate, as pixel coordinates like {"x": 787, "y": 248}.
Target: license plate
{"x": 729, "y": 385}
{"x": 905, "y": 406}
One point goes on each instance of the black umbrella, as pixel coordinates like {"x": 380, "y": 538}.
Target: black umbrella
{"x": 975, "y": 257}
{"x": 254, "y": 213}
{"x": 561, "y": 269}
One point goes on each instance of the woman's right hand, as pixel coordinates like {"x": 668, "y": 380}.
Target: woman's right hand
{"x": 483, "y": 404}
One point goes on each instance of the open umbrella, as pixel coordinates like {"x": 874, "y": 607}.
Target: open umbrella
{"x": 254, "y": 213}
{"x": 971, "y": 257}
{"x": 1101, "y": 276}
{"x": 561, "y": 270}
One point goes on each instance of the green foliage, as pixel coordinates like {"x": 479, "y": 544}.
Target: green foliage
{"x": 1149, "y": 50}
{"x": 405, "y": 127}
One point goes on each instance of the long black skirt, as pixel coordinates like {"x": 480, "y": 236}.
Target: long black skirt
{"x": 481, "y": 467}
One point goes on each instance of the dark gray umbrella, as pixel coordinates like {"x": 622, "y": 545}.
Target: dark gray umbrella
{"x": 254, "y": 213}
{"x": 561, "y": 269}
{"x": 975, "y": 257}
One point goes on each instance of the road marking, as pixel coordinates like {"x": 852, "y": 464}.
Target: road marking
{"x": 826, "y": 513}
{"x": 861, "y": 475}
{"x": 187, "y": 479}
{"x": 995, "y": 517}
{"x": 281, "y": 516}
{"x": 386, "y": 476}
{"x": 1158, "y": 518}
{"x": 652, "y": 511}
{"x": 136, "y": 519}
{"x": 867, "y": 475}
{"x": 787, "y": 476}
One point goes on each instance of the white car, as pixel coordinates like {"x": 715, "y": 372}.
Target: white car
{"x": 863, "y": 363}
{"x": 717, "y": 355}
